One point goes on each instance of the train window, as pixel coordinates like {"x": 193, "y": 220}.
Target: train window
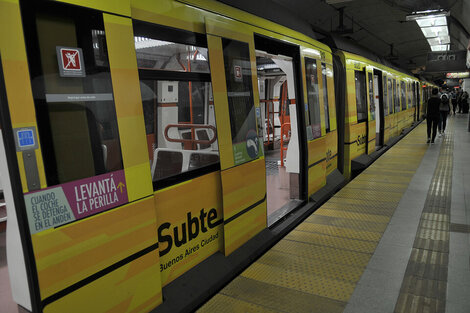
{"x": 411, "y": 95}
{"x": 371, "y": 97}
{"x": 177, "y": 103}
{"x": 403, "y": 96}
{"x": 72, "y": 91}
{"x": 391, "y": 91}
{"x": 396, "y": 96}
{"x": 361, "y": 100}
{"x": 170, "y": 56}
{"x": 385, "y": 96}
{"x": 313, "y": 96}
{"x": 240, "y": 98}
{"x": 325, "y": 73}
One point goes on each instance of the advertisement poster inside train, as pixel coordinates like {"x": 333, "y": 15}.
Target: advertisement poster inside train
{"x": 62, "y": 204}
{"x": 193, "y": 229}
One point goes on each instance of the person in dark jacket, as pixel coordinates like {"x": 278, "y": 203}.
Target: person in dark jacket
{"x": 464, "y": 102}
{"x": 444, "y": 109}
{"x": 453, "y": 97}
{"x": 433, "y": 114}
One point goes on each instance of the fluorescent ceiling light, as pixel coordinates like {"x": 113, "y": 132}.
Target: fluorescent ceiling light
{"x": 437, "y": 31}
{"x": 433, "y": 24}
{"x": 440, "y": 48}
{"x": 439, "y": 41}
{"x": 433, "y": 21}
{"x": 337, "y": 1}
{"x": 427, "y": 14}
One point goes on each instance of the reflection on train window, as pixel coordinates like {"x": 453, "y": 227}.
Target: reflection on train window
{"x": 371, "y": 97}
{"x": 396, "y": 96}
{"x": 326, "y": 72}
{"x": 403, "y": 96}
{"x": 239, "y": 90}
{"x": 313, "y": 97}
{"x": 75, "y": 110}
{"x": 170, "y": 56}
{"x": 361, "y": 102}
{"x": 390, "y": 96}
{"x": 178, "y": 106}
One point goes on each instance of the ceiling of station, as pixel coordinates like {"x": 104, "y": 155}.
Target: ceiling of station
{"x": 378, "y": 25}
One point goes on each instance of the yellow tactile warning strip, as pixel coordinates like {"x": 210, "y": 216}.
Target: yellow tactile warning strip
{"x": 424, "y": 287}
{"x": 316, "y": 267}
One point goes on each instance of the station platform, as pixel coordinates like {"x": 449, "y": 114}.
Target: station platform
{"x": 395, "y": 239}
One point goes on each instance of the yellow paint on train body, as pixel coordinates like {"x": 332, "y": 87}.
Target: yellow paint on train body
{"x": 228, "y": 206}
{"x": 316, "y": 165}
{"x": 71, "y": 253}
{"x": 357, "y": 136}
{"x": 190, "y": 224}
{"x": 331, "y": 151}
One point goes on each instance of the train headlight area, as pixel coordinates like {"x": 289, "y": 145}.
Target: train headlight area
{"x": 151, "y": 153}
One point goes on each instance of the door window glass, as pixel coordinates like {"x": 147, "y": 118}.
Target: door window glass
{"x": 246, "y": 145}
{"x": 396, "y": 97}
{"x": 313, "y": 99}
{"x": 403, "y": 96}
{"x": 361, "y": 102}
{"x": 177, "y": 103}
{"x": 391, "y": 97}
{"x": 385, "y": 96}
{"x": 371, "y": 97}
{"x": 73, "y": 94}
{"x": 325, "y": 73}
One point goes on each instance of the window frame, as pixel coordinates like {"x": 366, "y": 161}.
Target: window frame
{"x": 316, "y": 99}
{"x": 29, "y": 16}
{"x": 364, "y": 96}
{"x": 325, "y": 97}
{"x": 170, "y": 34}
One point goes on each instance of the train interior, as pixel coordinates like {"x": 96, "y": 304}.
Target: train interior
{"x": 178, "y": 111}
{"x": 277, "y": 102}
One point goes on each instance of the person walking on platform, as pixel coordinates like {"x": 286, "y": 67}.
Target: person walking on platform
{"x": 432, "y": 115}
{"x": 454, "y": 101}
{"x": 464, "y": 103}
{"x": 459, "y": 100}
{"x": 444, "y": 109}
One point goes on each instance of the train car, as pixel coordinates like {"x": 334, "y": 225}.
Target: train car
{"x": 145, "y": 136}
{"x": 149, "y": 136}
{"x": 380, "y": 102}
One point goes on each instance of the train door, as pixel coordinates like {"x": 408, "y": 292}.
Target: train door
{"x": 361, "y": 104}
{"x": 416, "y": 100}
{"x": 280, "y": 124}
{"x": 181, "y": 137}
{"x": 87, "y": 213}
{"x": 275, "y": 74}
{"x": 372, "y": 123}
{"x": 379, "y": 108}
{"x": 233, "y": 63}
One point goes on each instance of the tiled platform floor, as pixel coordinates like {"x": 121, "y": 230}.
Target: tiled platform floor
{"x": 353, "y": 254}
{"x": 395, "y": 239}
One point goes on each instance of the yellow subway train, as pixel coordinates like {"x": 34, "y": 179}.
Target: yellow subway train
{"x": 143, "y": 137}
